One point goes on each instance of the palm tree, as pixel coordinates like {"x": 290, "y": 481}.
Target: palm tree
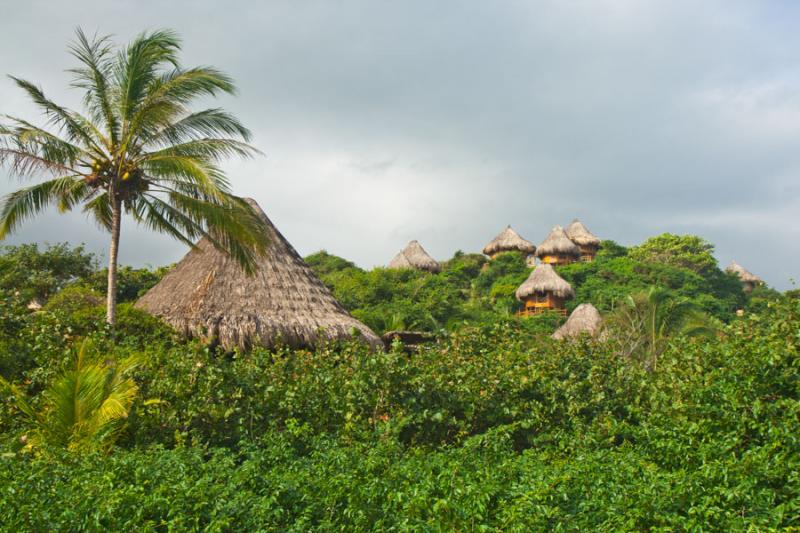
{"x": 647, "y": 321}
{"x": 83, "y": 409}
{"x": 138, "y": 149}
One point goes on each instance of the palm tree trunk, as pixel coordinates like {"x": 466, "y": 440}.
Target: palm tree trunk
{"x": 116, "y": 221}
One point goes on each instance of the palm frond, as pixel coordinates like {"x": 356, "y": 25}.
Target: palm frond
{"x": 99, "y": 208}
{"x": 138, "y": 65}
{"x": 168, "y": 95}
{"x": 85, "y": 407}
{"x": 93, "y": 77}
{"x": 20, "y": 205}
{"x": 187, "y": 175}
{"x": 214, "y": 123}
{"x": 76, "y": 127}
{"x": 207, "y": 149}
{"x": 232, "y": 226}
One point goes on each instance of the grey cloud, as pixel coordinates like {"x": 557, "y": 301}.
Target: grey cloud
{"x": 444, "y": 121}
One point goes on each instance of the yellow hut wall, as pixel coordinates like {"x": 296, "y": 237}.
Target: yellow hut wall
{"x": 542, "y": 302}
{"x": 558, "y": 259}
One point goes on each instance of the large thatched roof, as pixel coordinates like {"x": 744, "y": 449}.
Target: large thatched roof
{"x": 415, "y": 256}
{"x": 545, "y": 279}
{"x": 584, "y": 319}
{"x": 509, "y": 240}
{"x": 581, "y": 236}
{"x": 557, "y": 243}
{"x": 744, "y": 274}
{"x": 207, "y": 295}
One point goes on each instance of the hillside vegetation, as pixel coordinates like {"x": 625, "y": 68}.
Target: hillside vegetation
{"x": 494, "y": 426}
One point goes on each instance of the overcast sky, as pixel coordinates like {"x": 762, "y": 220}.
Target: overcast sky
{"x": 445, "y": 121}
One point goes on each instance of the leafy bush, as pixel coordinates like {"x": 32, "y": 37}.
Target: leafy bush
{"x": 494, "y": 426}
{"x": 38, "y": 273}
{"x": 492, "y": 429}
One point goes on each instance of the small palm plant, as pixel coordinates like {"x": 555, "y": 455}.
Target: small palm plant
{"x": 138, "y": 149}
{"x": 645, "y": 323}
{"x": 85, "y": 408}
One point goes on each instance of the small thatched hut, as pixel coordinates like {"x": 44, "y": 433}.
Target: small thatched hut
{"x": 587, "y": 242}
{"x": 558, "y": 249}
{"x": 207, "y": 295}
{"x": 748, "y": 279}
{"x": 544, "y": 290}
{"x": 414, "y": 256}
{"x": 584, "y": 320}
{"x": 509, "y": 240}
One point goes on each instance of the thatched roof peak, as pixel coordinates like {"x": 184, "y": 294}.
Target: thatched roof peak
{"x": 509, "y": 240}
{"x": 743, "y": 274}
{"x": 544, "y": 279}
{"x": 208, "y": 295}
{"x": 584, "y": 319}
{"x": 580, "y": 235}
{"x": 415, "y": 256}
{"x": 557, "y": 243}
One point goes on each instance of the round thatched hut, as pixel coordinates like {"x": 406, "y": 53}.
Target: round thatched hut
{"x": 509, "y": 240}
{"x": 748, "y": 279}
{"x": 544, "y": 290}
{"x": 207, "y": 295}
{"x": 587, "y": 242}
{"x": 558, "y": 249}
{"x": 584, "y": 320}
{"x": 414, "y": 256}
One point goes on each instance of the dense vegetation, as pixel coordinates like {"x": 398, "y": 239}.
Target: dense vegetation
{"x": 495, "y": 426}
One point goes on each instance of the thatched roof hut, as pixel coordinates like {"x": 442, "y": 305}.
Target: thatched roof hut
{"x": 748, "y": 279}
{"x": 580, "y": 235}
{"x": 587, "y": 242}
{"x": 585, "y": 319}
{"x": 508, "y": 240}
{"x": 208, "y": 295}
{"x": 743, "y": 274}
{"x": 414, "y": 256}
{"x": 545, "y": 280}
{"x": 558, "y": 248}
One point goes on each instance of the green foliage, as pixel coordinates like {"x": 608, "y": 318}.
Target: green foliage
{"x": 73, "y": 299}
{"x": 685, "y": 251}
{"x": 647, "y": 322}
{"x": 606, "y": 282}
{"x": 492, "y": 429}
{"x": 494, "y": 426}
{"x": 324, "y": 263}
{"x": 36, "y": 273}
{"x": 131, "y": 282}
{"x": 84, "y": 409}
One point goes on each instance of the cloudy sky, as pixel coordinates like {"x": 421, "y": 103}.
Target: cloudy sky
{"x": 444, "y": 121}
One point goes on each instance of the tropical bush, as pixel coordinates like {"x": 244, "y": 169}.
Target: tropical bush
{"x": 493, "y": 426}
{"x": 489, "y": 429}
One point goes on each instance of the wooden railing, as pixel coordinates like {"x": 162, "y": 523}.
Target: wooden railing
{"x": 540, "y": 310}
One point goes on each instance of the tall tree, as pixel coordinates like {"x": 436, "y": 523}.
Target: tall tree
{"x": 137, "y": 149}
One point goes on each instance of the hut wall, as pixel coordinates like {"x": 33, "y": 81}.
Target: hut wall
{"x": 558, "y": 259}
{"x": 588, "y": 252}
{"x": 540, "y": 303}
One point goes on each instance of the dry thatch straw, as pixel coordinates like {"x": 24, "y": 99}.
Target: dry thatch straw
{"x": 585, "y": 319}
{"x": 415, "y": 256}
{"x": 544, "y": 279}
{"x": 557, "y": 243}
{"x": 577, "y": 233}
{"x": 508, "y": 240}
{"x": 207, "y": 295}
{"x": 744, "y": 275}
